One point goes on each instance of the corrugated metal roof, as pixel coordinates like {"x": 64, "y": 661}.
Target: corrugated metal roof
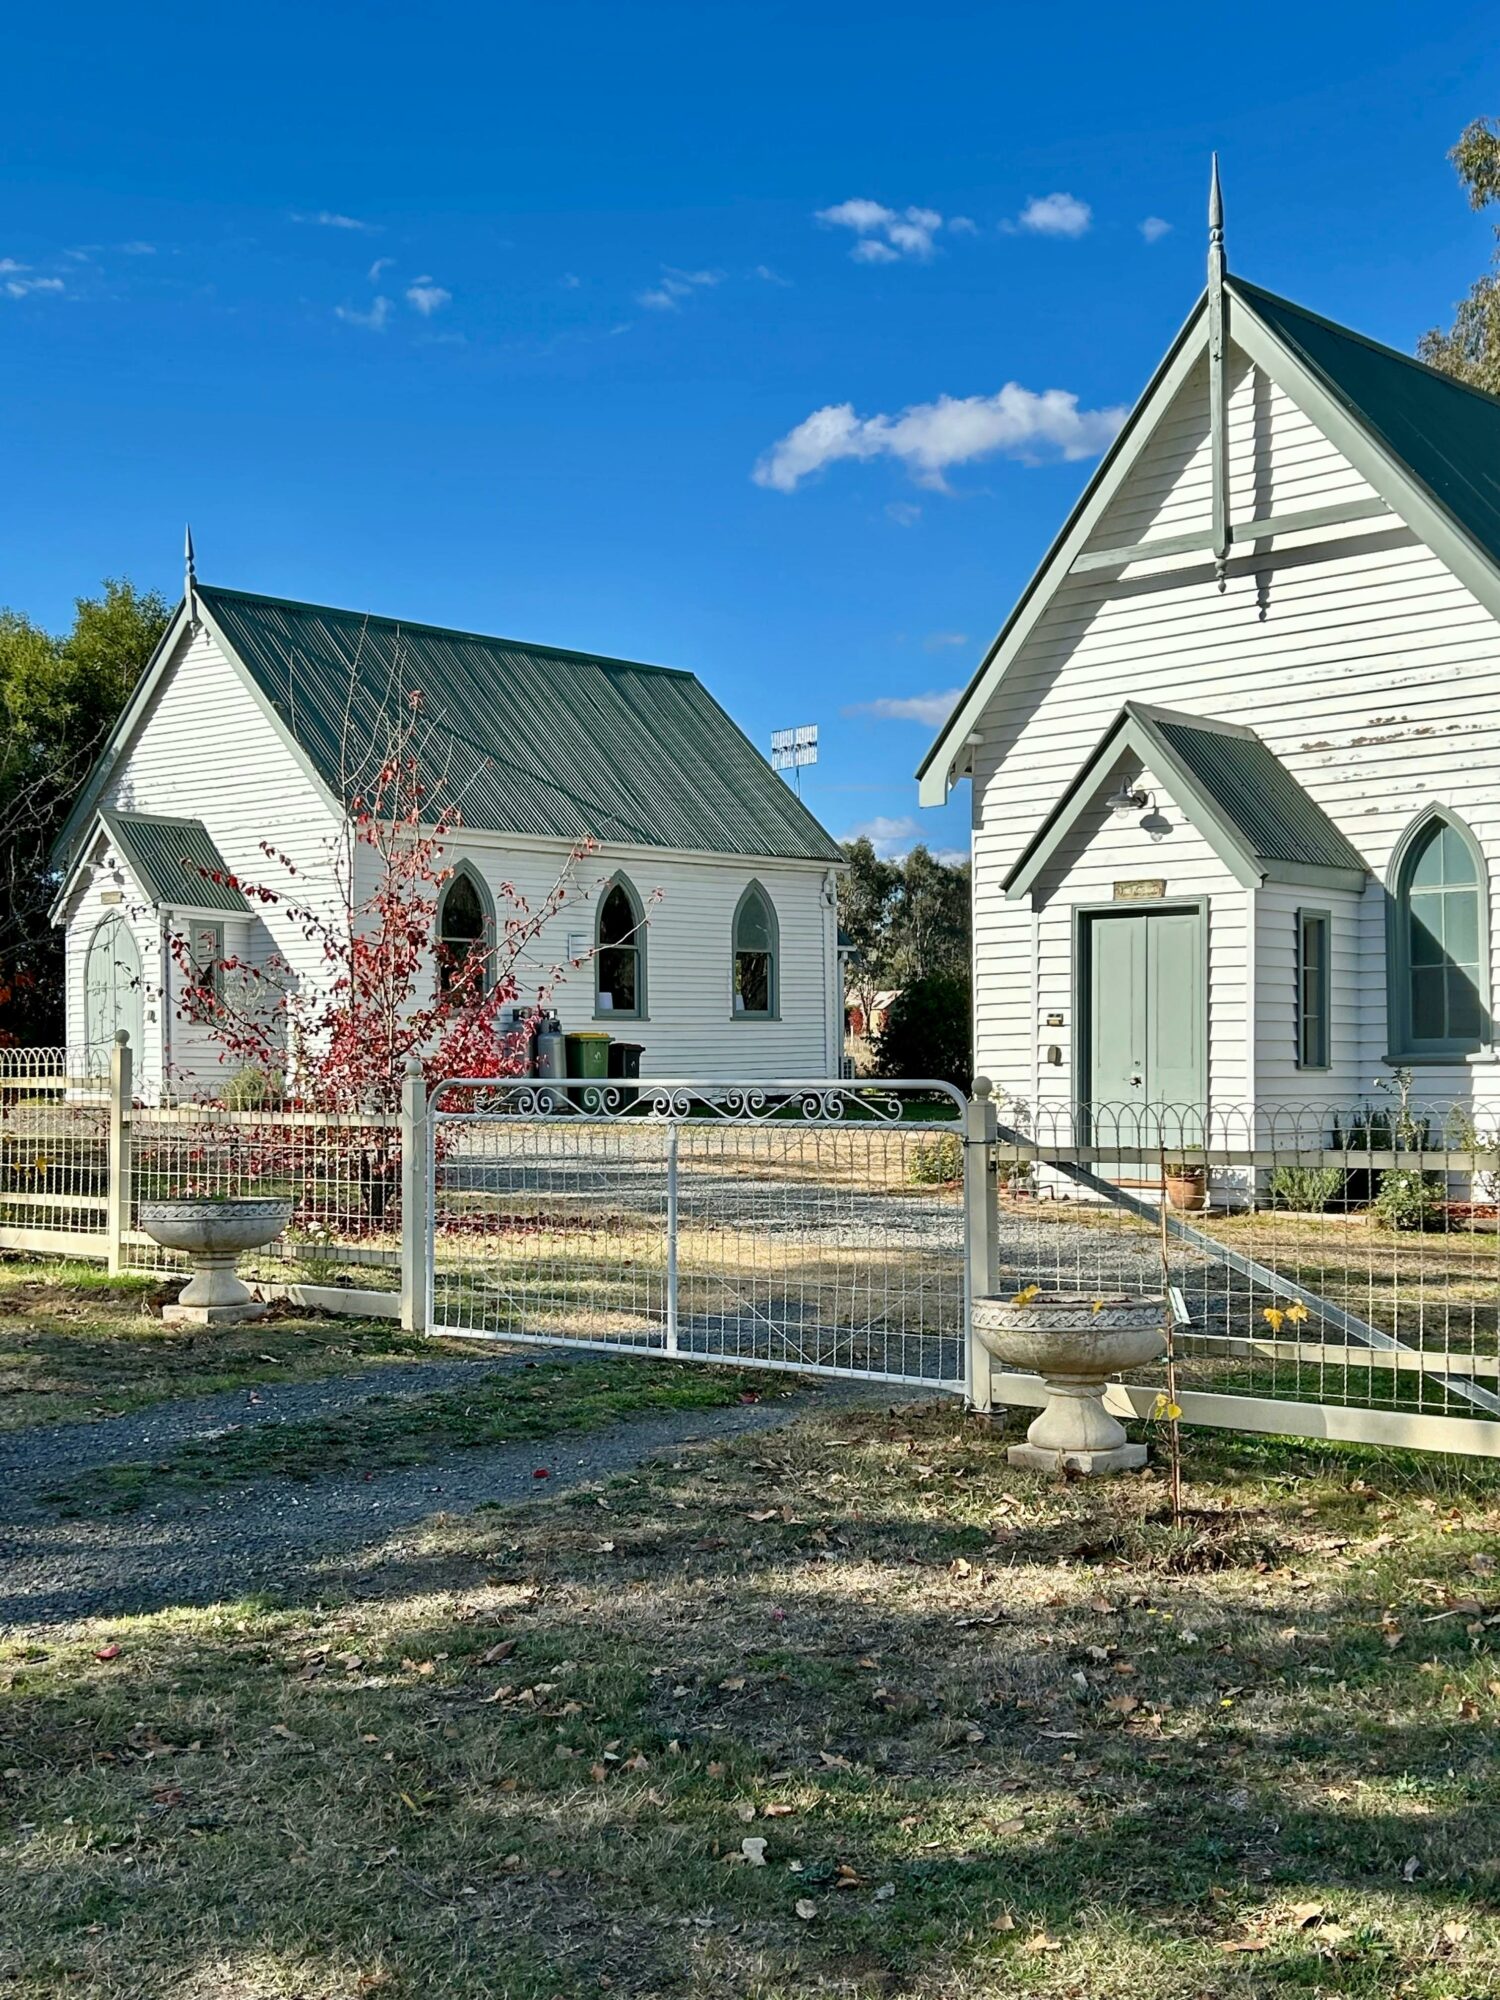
{"x": 1445, "y": 432}
{"x": 1255, "y": 792}
{"x": 1231, "y": 785}
{"x": 522, "y": 739}
{"x": 174, "y": 861}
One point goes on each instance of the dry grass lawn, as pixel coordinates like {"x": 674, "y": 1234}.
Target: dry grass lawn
{"x": 850, "y": 1710}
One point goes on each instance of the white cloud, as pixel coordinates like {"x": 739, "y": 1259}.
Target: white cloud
{"x": 570, "y": 281}
{"x": 1055, "y": 215}
{"x": 375, "y": 319}
{"x": 8, "y": 264}
{"x": 427, "y": 298}
{"x": 325, "y": 218}
{"x": 381, "y": 264}
{"x": 932, "y": 708}
{"x": 963, "y": 225}
{"x": 770, "y": 277}
{"x": 17, "y": 288}
{"x": 928, "y": 438}
{"x": 1154, "y": 228}
{"x": 905, "y": 513}
{"x": 139, "y": 249}
{"x": 936, "y": 641}
{"x": 893, "y": 839}
{"x": 675, "y": 286}
{"x": 885, "y": 235}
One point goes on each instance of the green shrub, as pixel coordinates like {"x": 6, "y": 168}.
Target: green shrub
{"x": 936, "y": 1162}
{"x": 250, "y": 1088}
{"x": 1408, "y": 1199}
{"x": 928, "y": 1032}
{"x": 1307, "y": 1188}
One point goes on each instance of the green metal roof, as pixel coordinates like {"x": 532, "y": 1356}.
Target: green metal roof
{"x": 1445, "y": 433}
{"x": 1233, "y": 787}
{"x": 174, "y": 861}
{"x": 527, "y": 739}
{"x": 1277, "y": 820}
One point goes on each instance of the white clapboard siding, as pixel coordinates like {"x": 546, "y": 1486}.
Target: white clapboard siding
{"x": 1359, "y": 658}
{"x": 690, "y": 1028}
{"x": 1356, "y": 1039}
{"x": 205, "y": 749}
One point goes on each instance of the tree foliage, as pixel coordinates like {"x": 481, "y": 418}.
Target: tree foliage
{"x": 929, "y": 1031}
{"x": 59, "y": 697}
{"x": 388, "y": 993}
{"x": 1470, "y": 348}
{"x": 905, "y": 920}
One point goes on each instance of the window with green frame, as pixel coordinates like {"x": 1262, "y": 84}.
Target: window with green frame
{"x": 1314, "y": 937}
{"x": 1438, "y": 942}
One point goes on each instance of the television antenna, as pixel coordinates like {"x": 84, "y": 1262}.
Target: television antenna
{"x": 791, "y": 749}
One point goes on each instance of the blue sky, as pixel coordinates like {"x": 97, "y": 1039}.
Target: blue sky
{"x": 772, "y": 341}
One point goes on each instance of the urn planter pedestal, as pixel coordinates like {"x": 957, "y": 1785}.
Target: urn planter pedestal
{"x": 213, "y": 1233}
{"x": 1075, "y": 1343}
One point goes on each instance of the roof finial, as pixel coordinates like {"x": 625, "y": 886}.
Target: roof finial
{"x": 1218, "y": 387}
{"x": 189, "y": 577}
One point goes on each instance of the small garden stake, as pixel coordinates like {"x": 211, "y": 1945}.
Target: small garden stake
{"x": 1167, "y": 1406}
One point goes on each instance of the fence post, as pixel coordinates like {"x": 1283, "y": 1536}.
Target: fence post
{"x": 415, "y": 1195}
{"x": 981, "y": 1231}
{"x": 673, "y": 1135}
{"x": 117, "y": 1185}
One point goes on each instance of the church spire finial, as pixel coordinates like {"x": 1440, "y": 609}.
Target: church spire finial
{"x": 189, "y": 576}
{"x": 1218, "y": 388}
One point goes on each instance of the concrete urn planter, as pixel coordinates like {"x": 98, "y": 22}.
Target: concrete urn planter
{"x": 1075, "y": 1343}
{"x": 213, "y": 1233}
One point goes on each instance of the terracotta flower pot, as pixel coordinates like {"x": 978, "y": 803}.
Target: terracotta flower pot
{"x": 1187, "y": 1189}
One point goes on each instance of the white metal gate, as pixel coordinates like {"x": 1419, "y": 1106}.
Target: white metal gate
{"x": 810, "y": 1226}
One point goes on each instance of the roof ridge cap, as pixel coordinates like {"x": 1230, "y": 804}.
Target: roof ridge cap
{"x": 212, "y": 590}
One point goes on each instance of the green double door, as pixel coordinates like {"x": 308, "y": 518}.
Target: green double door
{"x": 1145, "y": 973}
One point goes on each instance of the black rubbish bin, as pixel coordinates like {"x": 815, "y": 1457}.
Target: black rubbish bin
{"x": 625, "y": 1062}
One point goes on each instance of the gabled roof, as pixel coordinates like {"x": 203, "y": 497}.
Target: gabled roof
{"x": 523, "y": 739}
{"x": 1243, "y": 800}
{"x": 174, "y": 861}
{"x": 1428, "y": 445}
{"x": 526, "y": 739}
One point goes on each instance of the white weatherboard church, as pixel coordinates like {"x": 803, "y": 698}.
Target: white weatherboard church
{"x": 1235, "y": 756}
{"x": 708, "y": 909}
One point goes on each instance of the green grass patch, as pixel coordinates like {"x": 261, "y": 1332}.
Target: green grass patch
{"x": 76, "y": 1344}
{"x": 536, "y": 1400}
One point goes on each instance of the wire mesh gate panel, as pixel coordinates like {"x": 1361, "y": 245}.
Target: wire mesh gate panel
{"x": 817, "y": 1227}
{"x": 54, "y": 1150}
{"x": 1336, "y": 1258}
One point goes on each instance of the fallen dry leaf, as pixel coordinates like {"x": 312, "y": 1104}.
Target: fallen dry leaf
{"x": 753, "y": 1850}
{"x": 806, "y": 1908}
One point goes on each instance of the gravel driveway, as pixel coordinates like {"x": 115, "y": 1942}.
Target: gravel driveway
{"x": 334, "y": 1535}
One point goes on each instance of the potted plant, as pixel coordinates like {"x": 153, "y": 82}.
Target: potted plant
{"x": 1187, "y": 1185}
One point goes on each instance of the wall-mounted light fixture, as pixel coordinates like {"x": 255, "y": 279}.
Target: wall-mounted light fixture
{"x": 1127, "y": 798}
